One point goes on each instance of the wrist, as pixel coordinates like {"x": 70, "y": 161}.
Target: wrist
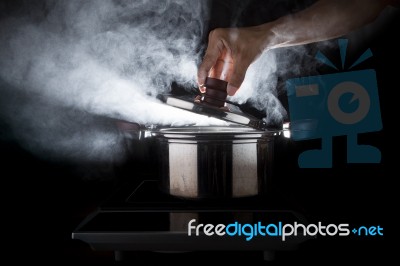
{"x": 268, "y": 36}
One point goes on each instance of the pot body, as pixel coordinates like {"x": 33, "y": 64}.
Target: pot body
{"x": 215, "y": 162}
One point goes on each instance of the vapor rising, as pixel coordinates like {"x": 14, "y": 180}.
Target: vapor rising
{"x": 67, "y": 61}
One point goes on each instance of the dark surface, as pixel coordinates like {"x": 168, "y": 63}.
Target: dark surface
{"x": 45, "y": 200}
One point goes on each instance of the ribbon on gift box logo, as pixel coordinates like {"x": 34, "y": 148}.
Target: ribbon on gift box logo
{"x": 344, "y": 103}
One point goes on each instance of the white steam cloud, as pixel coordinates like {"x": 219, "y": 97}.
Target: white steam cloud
{"x": 78, "y": 58}
{"x": 260, "y": 87}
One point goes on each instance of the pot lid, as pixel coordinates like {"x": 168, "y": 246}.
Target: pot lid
{"x": 229, "y": 112}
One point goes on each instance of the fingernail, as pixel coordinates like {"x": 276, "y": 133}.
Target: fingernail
{"x": 231, "y": 90}
{"x": 202, "y": 88}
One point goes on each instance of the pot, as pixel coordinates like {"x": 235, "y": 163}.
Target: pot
{"x": 211, "y": 162}
{"x": 215, "y": 162}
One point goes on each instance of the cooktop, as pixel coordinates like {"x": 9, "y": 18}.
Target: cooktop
{"x": 142, "y": 218}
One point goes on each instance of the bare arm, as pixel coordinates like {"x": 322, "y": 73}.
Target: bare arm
{"x": 324, "y": 20}
{"x": 239, "y": 47}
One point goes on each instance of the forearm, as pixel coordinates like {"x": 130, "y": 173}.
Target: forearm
{"x": 324, "y": 20}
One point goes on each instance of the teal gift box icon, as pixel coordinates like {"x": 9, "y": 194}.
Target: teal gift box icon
{"x": 324, "y": 106}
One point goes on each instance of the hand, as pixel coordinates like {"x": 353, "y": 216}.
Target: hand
{"x": 230, "y": 52}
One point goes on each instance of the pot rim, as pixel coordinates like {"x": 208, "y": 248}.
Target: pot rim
{"x": 213, "y": 132}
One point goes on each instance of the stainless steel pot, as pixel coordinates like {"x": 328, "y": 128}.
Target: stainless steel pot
{"x": 215, "y": 162}
{"x": 211, "y": 162}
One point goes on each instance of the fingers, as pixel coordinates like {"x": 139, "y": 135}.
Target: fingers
{"x": 210, "y": 58}
{"x": 228, "y": 45}
{"x": 208, "y": 62}
{"x": 238, "y": 75}
{"x": 231, "y": 90}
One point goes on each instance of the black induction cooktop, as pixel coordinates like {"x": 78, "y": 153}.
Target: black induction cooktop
{"x": 142, "y": 218}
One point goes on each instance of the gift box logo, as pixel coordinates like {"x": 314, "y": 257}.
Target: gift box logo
{"x": 344, "y": 103}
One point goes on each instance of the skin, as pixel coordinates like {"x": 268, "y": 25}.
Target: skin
{"x": 232, "y": 50}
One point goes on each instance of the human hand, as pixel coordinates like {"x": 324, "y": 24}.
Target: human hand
{"x": 229, "y": 53}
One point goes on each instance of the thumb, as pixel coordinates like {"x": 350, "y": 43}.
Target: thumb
{"x": 210, "y": 58}
{"x": 208, "y": 62}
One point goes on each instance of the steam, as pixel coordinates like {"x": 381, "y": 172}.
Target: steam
{"x": 260, "y": 87}
{"x": 101, "y": 56}
{"x": 106, "y": 58}
{"x": 68, "y": 61}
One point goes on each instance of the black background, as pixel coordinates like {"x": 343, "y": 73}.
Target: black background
{"x": 43, "y": 201}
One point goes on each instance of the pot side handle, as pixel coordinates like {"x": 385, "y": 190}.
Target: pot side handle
{"x": 133, "y": 130}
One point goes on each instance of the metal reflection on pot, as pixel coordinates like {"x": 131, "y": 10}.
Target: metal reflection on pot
{"x": 215, "y": 162}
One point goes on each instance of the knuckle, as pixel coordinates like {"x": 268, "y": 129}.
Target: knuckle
{"x": 217, "y": 33}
